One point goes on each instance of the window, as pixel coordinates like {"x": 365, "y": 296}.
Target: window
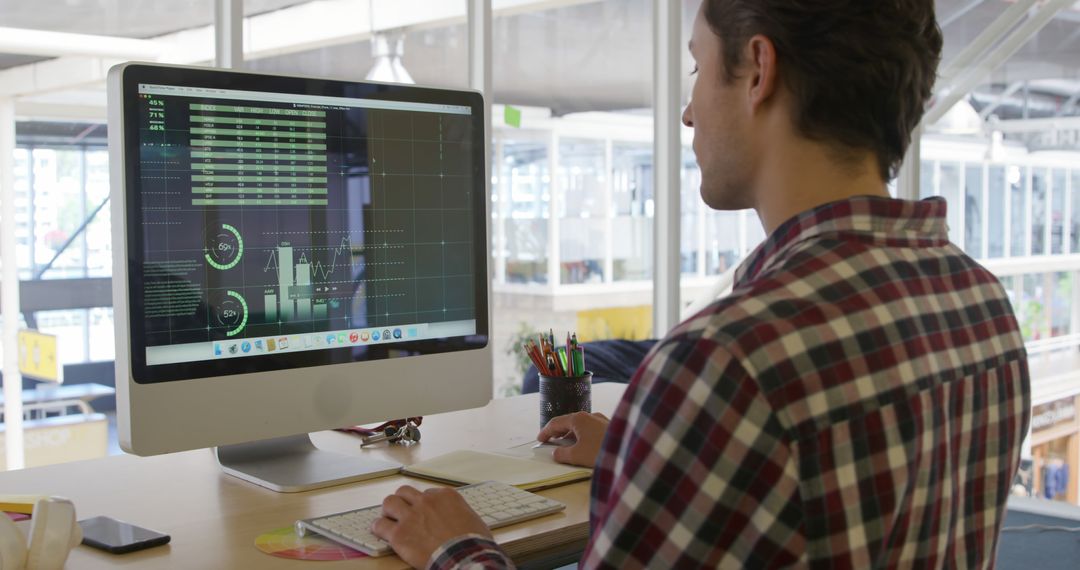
{"x": 24, "y": 212}
{"x": 973, "y": 211}
{"x": 583, "y": 200}
{"x": 1039, "y": 181}
{"x": 1074, "y": 218}
{"x": 99, "y": 230}
{"x": 996, "y": 218}
{"x": 524, "y": 198}
{"x": 632, "y": 235}
{"x": 68, "y": 187}
{"x": 949, "y": 188}
{"x": 1018, "y": 211}
{"x": 927, "y": 176}
{"x": 692, "y": 227}
{"x": 573, "y": 136}
{"x": 1057, "y": 213}
{"x": 59, "y": 211}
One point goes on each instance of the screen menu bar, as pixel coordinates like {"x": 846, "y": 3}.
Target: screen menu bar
{"x": 253, "y": 96}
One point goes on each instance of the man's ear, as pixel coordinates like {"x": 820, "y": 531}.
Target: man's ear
{"x": 761, "y": 66}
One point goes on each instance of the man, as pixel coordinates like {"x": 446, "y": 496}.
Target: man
{"x": 859, "y": 400}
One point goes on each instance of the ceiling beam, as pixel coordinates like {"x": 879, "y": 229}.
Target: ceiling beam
{"x": 1008, "y": 92}
{"x": 43, "y": 43}
{"x": 59, "y": 111}
{"x": 992, "y": 34}
{"x": 1036, "y": 125}
{"x": 58, "y": 74}
{"x": 64, "y": 294}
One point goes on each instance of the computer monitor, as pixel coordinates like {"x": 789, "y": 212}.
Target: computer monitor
{"x": 293, "y": 255}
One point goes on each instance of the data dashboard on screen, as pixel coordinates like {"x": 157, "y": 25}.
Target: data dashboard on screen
{"x": 281, "y": 230}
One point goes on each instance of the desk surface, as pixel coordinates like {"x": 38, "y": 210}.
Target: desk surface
{"x": 214, "y": 518}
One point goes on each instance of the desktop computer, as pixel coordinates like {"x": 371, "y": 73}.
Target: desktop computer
{"x": 292, "y": 255}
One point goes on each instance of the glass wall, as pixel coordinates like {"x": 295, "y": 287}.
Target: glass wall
{"x": 713, "y": 242}
{"x": 993, "y": 199}
{"x": 573, "y": 202}
{"x": 631, "y": 236}
{"x": 572, "y": 231}
{"x": 67, "y": 232}
{"x": 996, "y": 216}
{"x": 68, "y": 235}
{"x": 974, "y": 209}
{"x": 521, "y": 205}
{"x": 1023, "y": 223}
{"x": 62, "y": 225}
{"x": 582, "y": 208}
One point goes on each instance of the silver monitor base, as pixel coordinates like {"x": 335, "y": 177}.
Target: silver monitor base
{"x": 293, "y": 464}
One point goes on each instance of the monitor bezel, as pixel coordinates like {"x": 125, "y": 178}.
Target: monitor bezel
{"x": 135, "y": 74}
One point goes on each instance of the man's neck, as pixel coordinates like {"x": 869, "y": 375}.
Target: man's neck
{"x": 799, "y": 177}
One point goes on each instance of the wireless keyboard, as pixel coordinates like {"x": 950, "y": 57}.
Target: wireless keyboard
{"x": 498, "y": 505}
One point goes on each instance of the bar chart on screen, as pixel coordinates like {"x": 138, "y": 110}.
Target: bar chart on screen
{"x": 301, "y": 277}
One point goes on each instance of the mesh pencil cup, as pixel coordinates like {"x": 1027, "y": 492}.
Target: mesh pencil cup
{"x": 560, "y": 396}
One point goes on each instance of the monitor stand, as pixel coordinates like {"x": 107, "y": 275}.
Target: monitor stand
{"x": 293, "y": 464}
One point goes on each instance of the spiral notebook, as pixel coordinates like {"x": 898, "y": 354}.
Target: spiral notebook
{"x": 528, "y": 471}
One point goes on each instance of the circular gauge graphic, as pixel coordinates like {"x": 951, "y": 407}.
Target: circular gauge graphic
{"x": 284, "y": 543}
{"x": 224, "y": 247}
{"x": 231, "y": 311}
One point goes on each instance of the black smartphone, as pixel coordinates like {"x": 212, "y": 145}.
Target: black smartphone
{"x": 119, "y": 537}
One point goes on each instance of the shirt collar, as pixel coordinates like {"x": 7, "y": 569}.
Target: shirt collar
{"x": 898, "y": 222}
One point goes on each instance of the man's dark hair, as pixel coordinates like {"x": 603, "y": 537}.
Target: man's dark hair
{"x": 861, "y": 71}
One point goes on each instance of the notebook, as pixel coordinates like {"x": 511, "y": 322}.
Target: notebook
{"x": 530, "y": 471}
{"x": 20, "y": 503}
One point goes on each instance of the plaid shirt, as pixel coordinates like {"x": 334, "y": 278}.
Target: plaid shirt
{"x": 859, "y": 400}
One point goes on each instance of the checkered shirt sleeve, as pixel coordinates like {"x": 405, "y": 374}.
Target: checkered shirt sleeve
{"x": 470, "y": 552}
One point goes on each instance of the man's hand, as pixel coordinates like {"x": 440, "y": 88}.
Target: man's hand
{"x": 588, "y": 429}
{"x": 417, "y": 523}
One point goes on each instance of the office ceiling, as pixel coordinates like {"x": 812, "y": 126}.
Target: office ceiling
{"x": 591, "y": 56}
{"x": 124, "y": 18}
{"x": 598, "y": 56}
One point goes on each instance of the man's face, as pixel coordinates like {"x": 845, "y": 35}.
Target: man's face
{"x": 718, "y": 112}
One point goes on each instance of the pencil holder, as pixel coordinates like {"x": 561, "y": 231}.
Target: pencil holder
{"x": 560, "y": 396}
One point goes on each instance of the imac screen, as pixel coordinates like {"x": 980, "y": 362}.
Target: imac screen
{"x": 280, "y": 223}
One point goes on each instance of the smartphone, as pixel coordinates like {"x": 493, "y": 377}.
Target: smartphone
{"x": 119, "y": 537}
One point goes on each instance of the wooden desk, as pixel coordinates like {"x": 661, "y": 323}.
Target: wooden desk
{"x": 214, "y": 518}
